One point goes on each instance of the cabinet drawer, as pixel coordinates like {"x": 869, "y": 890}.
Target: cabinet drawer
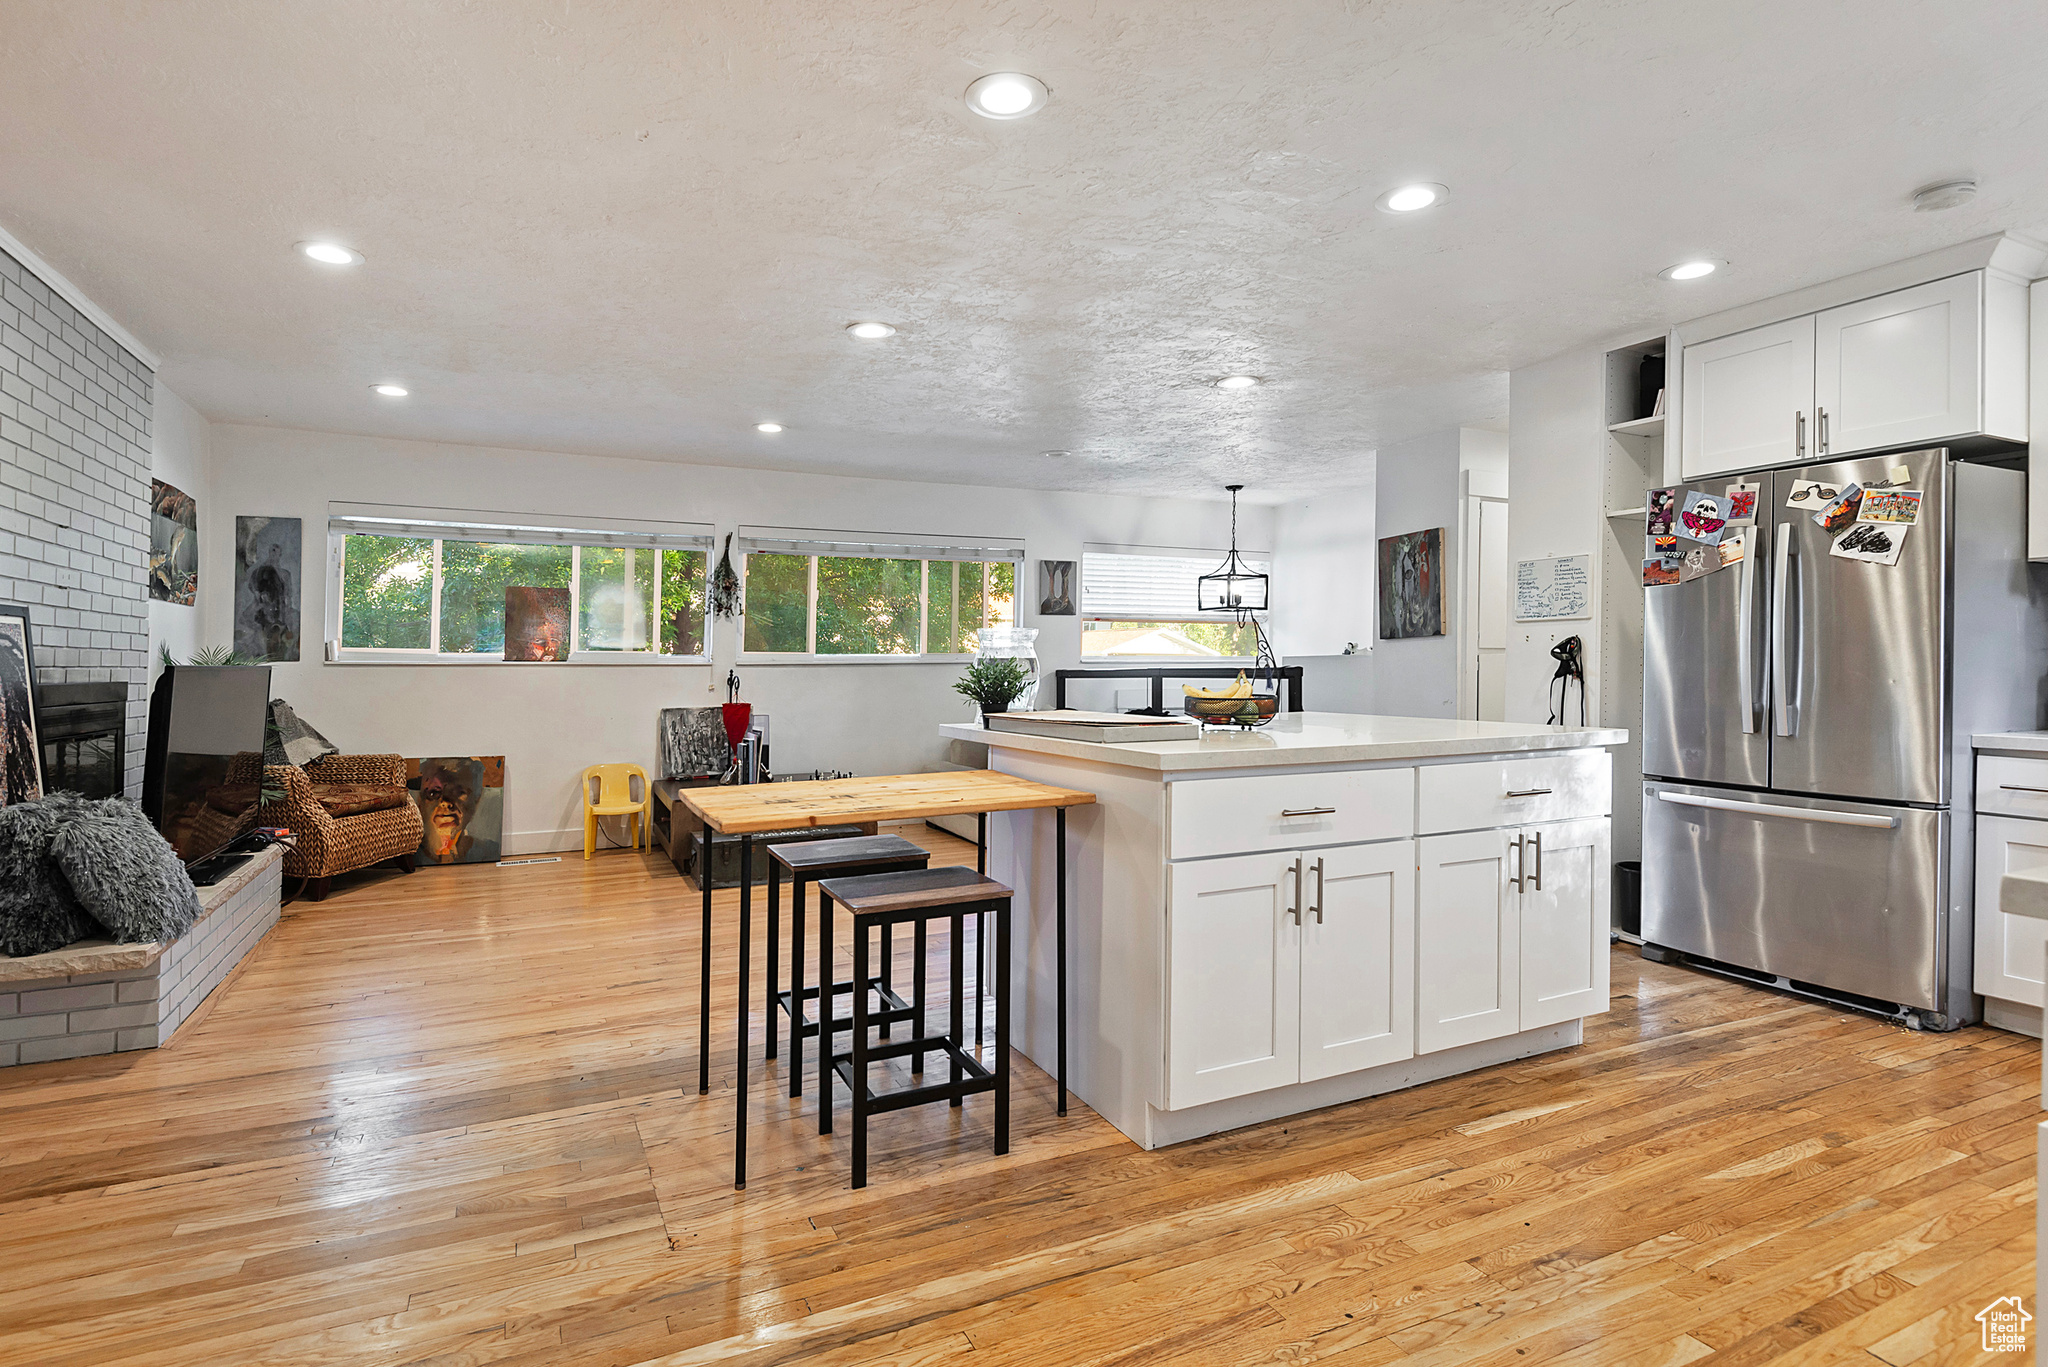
{"x": 1513, "y": 792}
{"x": 2008, "y": 786}
{"x": 1242, "y": 815}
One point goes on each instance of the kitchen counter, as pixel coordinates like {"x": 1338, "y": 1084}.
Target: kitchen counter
{"x": 2012, "y": 742}
{"x": 1313, "y": 738}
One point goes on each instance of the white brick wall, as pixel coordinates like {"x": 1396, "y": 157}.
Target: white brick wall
{"x": 102, "y": 1013}
{"x": 74, "y": 494}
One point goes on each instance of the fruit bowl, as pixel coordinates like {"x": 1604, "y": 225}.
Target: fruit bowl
{"x": 1254, "y": 709}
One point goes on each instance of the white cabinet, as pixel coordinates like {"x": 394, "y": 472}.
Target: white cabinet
{"x": 1288, "y": 967}
{"x": 2010, "y": 949}
{"x": 1748, "y": 399}
{"x": 1512, "y": 933}
{"x": 1899, "y": 369}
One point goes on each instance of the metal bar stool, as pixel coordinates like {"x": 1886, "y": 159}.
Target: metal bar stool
{"x": 806, "y": 862}
{"x": 918, "y": 896}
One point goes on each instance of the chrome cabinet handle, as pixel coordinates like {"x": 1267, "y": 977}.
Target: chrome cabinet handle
{"x": 2020, "y": 788}
{"x": 1295, "y": 910}
{"x": 1799, "y": 435}
{"x": 1308, "y": 811}
{"x": 1820, "y": 445}
{"x": 1516, "y": 881}
{"x": 1318, "y": 907}
{"x": 1529, "y": 792}
{"x": 1537, "y": 839}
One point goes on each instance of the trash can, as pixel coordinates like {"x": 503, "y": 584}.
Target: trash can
{"x": 1628, "y": 897}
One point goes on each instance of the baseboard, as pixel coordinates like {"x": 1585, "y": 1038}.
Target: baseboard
{"x": 2017, "y": 1017}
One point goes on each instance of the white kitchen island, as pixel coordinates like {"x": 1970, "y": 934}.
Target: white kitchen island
{"x": 1327, "y": 908}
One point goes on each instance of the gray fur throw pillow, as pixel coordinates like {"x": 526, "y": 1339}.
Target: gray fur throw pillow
{"x": 121, "y": 870}
{"x": 37, "y": 911}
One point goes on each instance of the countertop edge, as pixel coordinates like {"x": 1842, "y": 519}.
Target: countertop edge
{"x": 1362, "y": 752}
{"x": 2012, "y": 742}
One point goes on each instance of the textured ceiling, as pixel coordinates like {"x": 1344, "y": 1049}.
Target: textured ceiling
{"x": 637, "y": 227}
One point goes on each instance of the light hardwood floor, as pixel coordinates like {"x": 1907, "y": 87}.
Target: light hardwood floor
{"x": 453, "y": 1118}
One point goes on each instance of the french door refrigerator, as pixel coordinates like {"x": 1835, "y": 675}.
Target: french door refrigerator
{"x": 1806, "y": 737}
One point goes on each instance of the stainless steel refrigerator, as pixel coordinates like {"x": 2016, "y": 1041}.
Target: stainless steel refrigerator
{"x": 1806, "y": 737}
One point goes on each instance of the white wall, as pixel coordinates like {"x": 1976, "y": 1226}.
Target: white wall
{"x": 1324, "y": 558}
{"x": 551, "y": 721}
{"x": 181, "y": 454}
{"x": 1417, "y": 488}
{"x": 1557, "y": 438}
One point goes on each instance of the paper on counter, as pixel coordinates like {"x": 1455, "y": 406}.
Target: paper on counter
{"x": 1874, "y": 543}
{"x": 1898, "y": 506}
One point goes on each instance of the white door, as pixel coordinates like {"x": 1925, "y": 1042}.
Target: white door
{"x": 2009, "y": 948}
{"x": 1468, "y": 940}
{"x": 1233, "y": 1010}
{"x": 1565, "y": 921}
{"x": 1748, "y": 399}
{"x": 1358, "y": 958}
{"x": 1901, "y": 368}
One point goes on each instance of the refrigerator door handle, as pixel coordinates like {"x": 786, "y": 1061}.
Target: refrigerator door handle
{"x": 1723, "y": 804}
{"x": 1745, "y": 647}
{"x": 1783, "y": 706}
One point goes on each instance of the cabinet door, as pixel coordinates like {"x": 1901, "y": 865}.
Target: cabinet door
{"x": 1358, "y": 958}
{"x": 1233, "y": 1013}
{"x": 1564, "y": 921}
{"x": 1468, "y": 940}
{"x": 1903, "y": 367}
{"x": 2009, "y": 948}
{"x": 1748, "y": 399}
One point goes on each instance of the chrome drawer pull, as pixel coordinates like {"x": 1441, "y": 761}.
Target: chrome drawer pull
{"x": 2020, "y": 788}
{"x": 1530, "y": 792}
{"x": 1308, "y": 811}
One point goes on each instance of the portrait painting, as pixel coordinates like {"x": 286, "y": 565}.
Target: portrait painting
{"x": 173, "y": 544}
{"x": 21, "y": 755}
{"x": 1412, "y": 585}
{"x": 462, "y": 807}
{"x": 267, "y": 588}
{"x": 1056, "y": 588}
{"x": 692, "y": 742}
{"x": 537, "y": 624}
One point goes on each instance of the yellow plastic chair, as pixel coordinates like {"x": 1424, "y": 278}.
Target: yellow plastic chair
{"x": 615, "y": 798}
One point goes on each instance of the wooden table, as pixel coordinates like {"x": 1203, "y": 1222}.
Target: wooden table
{"x": 745, "y": 809}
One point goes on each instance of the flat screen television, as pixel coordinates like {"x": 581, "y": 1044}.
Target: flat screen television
{"x": 202, "y": 719}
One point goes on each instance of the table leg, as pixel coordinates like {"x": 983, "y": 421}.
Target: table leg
{"x": 1003, "y": 1026}
{"x": 1059, "y": 901}
{"x": 957, "y": 1021}
{"x": 825, "y": 1010}
{"x": 796, "y": 984}
{"x": 774, "y": 945}
{"x": 739, "y": 1134}
{"x": 980, "y": 928}
{"x": 704, "y": 977}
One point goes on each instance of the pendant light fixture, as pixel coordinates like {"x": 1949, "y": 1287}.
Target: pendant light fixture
{"x": 1232, "y": 586}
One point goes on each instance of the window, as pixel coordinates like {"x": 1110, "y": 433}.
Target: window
{"x": 872, "y": 601}
{"x": 436, "y": 589}
{"x": 1141, "y": 605}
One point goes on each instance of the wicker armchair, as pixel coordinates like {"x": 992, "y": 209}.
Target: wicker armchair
{"x": 327, "y": 843}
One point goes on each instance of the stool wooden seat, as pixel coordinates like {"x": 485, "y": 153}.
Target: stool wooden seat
{"x": 806, "y": 862}
{"x": 881, "y": 900}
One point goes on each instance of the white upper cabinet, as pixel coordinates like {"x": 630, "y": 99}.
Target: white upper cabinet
{"x": 1748, "y": 399}
{"x": 1899, "y": 369}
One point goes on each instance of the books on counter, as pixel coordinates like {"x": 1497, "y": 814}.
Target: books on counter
{"x": 1105, "y": 728}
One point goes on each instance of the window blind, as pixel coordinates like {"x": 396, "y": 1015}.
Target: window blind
{"x": 1148, "y": 588}
{"x": 518, "y": 533}
{"x": 876, "y": 549}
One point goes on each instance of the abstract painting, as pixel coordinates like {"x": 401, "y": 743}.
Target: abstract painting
{"x": 462, "y": 806}
{"x": 173, "y": 544}
{"x": 537, "y": 624}
{"x": 267, "y": 588}
{"x": 1412, "y": 585}
{"x": 692, "y": 742}
{"x": 1056, "y": 588}
{"x": 21, "y": 755}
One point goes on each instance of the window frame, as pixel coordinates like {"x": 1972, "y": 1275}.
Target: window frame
{"x": 1194, "y": 616}
{"x": 335, "y": 653}
{"x": 810, "y": 654}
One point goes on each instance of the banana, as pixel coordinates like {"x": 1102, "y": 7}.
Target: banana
{"x": 1241, "y": 689}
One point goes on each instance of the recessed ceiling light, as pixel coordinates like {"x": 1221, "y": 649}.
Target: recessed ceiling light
{"x": 1056, "y": 455}
{"x": 1006, "y": 95}
{"x": 1949, "y": 194}
{"x": 1407, "y": 199}
{"x": 1697, "y": 269}
{"x": 869, "y": 332}
{"x": 1237, "y": 382}
{"x": 391, "y": 391}
{"x": 769, "y": 427}
{"x": 329, "y": 253}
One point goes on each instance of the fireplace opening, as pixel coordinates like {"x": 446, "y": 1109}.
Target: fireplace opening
{"x": 82, "y": 727}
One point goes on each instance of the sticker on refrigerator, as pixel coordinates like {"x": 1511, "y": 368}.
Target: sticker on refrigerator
{"x": 1660, "y": 570}
{"x": 1662, "y": 503}
{"x": 1698, "y": 562}
{"x": 1733, "y": 547}
{"x": 1664, "y": 545}
{"x": 1812, "y": 493}
{"x": 1742, "y": 500}
{"x": 1703, "y": 518}
{"x": 1874, "y": 543}
{"x": 1898, "y": 506}
{"x": 1841, "y": 512}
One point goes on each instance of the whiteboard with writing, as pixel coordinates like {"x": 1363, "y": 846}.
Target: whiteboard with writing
{"x": 1551, "y": 590}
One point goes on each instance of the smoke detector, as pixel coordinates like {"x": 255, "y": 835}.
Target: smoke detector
{"x": 1949, "y": 194}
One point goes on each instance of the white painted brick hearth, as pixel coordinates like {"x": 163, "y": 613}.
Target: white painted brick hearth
{"x": 150, "y": 990}
{"x": 75, "y": 411}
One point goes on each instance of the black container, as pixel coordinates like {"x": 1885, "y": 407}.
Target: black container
{"x": 1649, "y": 384}
{"x": 1628, "y": 897}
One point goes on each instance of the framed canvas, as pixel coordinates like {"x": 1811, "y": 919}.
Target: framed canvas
{"x": 1412, "y": 585}
{"x": 21, "y": 749}
{"x": 1056, "y": 588}
{"x": 173, "y": 544}
{"x": 537, "y": 624}
{"x": 462, "y": 807}
{"x": 267, "y": 588}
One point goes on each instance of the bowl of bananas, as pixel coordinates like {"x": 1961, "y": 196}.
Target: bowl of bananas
{"x": 1236, "y": 705}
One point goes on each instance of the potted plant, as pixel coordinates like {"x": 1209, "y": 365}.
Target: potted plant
{"x": 993, "y": 684}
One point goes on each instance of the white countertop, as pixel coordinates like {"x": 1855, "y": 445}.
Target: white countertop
{"x": 1309, "y": 738}
{"x": 2024, "y": 742}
